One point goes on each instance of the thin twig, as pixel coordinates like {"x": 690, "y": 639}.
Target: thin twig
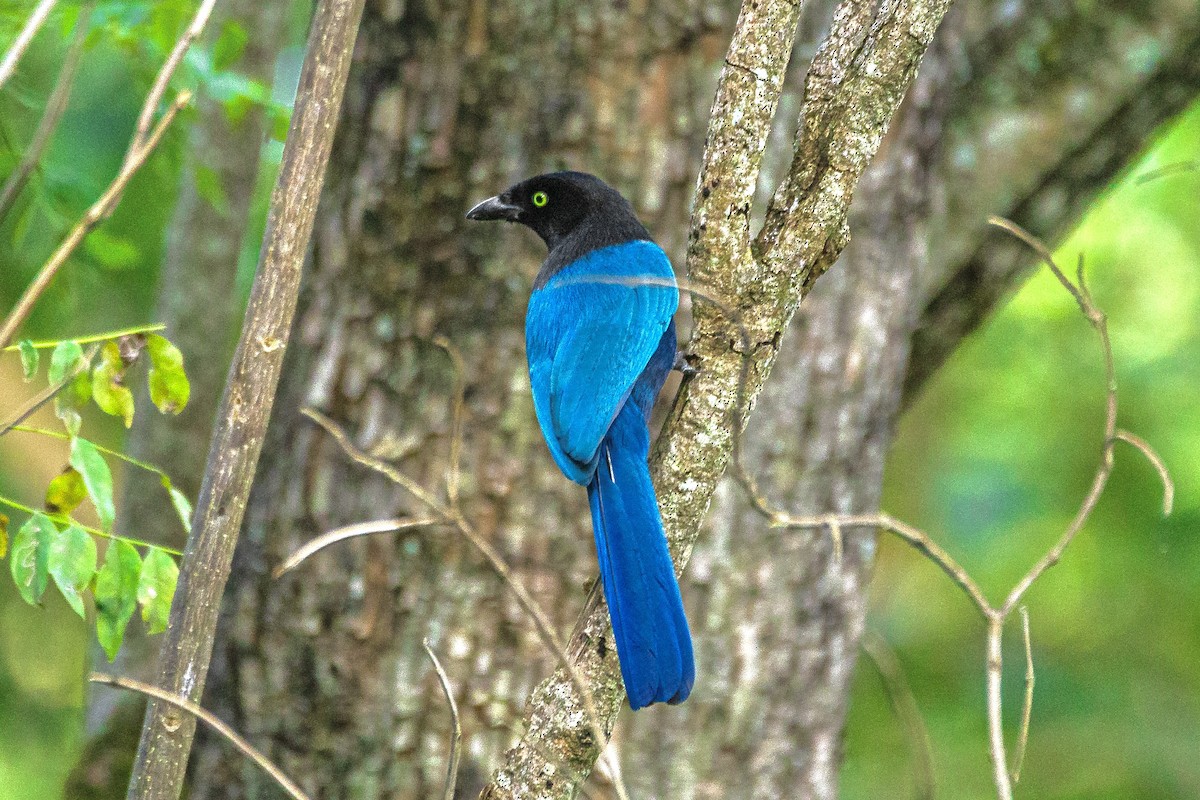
{"x": 1027, "y": 710}
{"x": 47, "y": 394}
{"x": 229, "y": 734}
{"x": 21, "y": 43}
{"x": 1168, "y": 501}
{"x": 456, "y": 737}
{"x": 97, "y": 213}
{"x": 451, "y": 516}
{"x": 51, "y": 116}
{"x": 904, "y": 703}
{"x": 994, "y": 616}
{"x": 347, "y": 532}
{"x": 914, "y": 536}
{"x": 994, "y": 673}
{"x": 142, "y": 134}
{"x": 458, "y": 407}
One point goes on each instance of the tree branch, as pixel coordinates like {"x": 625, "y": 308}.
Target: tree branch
{"x": 51, "y": 115}
{"x": 21, "y": 44}
{"x": 856, "y": 91}
{"x": 249, "y": 393}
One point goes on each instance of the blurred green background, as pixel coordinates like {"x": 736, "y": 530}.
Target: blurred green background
{"x": 993, "y": 461}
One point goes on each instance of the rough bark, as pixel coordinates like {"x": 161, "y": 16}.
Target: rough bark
{"x": 445, "y": 109}
{"x": 245, "y": 408}
{"x": 198, "y": 304}
{"x": 325, "y": 667}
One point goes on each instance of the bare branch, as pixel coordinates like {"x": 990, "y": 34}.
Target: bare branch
{"x": 143, "y": 143}
{"x": 452, "y": 516}
{"x": 1027, "y": 710}
{"x": 226, "y": 732}
{"x": 994, "y": 673}
{"x": 249, "y": 394}
{"x": 1160, "y": 466}
{"x": 342, "y": 534}
{"x": 51, "y": 115}
{"x": 457, "y": 409}
{"x": 97, "y": 213}
{"x": 456, "y": 736}
{"x": 159, "y": 89}
{"x": 21, "y": 44}
{"x": 904, "y": 703}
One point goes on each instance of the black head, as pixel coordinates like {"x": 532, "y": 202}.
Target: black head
{"x": 565, "y": 208}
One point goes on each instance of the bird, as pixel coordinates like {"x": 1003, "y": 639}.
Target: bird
{"x": 600, "y": 341}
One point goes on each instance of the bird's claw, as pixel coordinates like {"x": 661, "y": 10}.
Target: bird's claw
{"x": 684, "y": 366}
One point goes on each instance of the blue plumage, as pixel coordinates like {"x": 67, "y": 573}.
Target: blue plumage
{"x": 600, "y": 341}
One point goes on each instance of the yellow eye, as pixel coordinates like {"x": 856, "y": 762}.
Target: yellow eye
{"x": 540, "y": 199}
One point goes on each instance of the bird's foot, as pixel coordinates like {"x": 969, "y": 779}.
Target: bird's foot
{"x": 684, "y": 365}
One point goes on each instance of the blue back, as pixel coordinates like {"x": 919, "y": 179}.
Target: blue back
{"x": 590, "y": 332}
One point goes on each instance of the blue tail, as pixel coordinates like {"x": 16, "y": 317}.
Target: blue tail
{"x": 653, "y": 642}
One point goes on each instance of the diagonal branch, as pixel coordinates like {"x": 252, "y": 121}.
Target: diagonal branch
{"x": 858, "y": 85}
{"x": 51, "y": 115}
{"x": 21, "y": 44}
{"x": 143, "y": 143}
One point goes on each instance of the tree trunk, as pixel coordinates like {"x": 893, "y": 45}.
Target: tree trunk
{"x": 199, "y": 306}
{"x": 449, "y": 103}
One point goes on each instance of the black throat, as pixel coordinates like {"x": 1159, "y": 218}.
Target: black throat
{"x": 597, "y": 231}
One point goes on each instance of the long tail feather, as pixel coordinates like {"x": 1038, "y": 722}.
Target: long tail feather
{"x": 653, "y": 642}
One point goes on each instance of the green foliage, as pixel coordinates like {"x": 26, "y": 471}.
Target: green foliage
{"x": 156, "y": 588}
{"x": 30, "y": 560}
{"x": 73, "y": 565}
{"x": 64, "y": 361}
{"x": 51, "y": 544}
{"x": 29, "y": 359}
{"x": 116, "y": 594}
{"x": 96, "y": 477}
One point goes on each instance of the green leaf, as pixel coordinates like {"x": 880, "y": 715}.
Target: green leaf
{"x": 116, "y": 594}
{"x": 96, "y": 477}
{"x": 65, "y": 492}
{"x": 64, "y": 360}
{"x": 110, "y": 394}
{"x": 169, "y": 386}
{"x": 236, "y": 109}
{"x": 230, "y": 46}
{"x": 30, "y": 562}
{"x": 183, "y": 506}
{"x": 209, "y": 187}
{"x": 73, "y": 564}
{"x": 29, "y": 358}
{"x": 3, "y": 535}
{"x": 111, "y": 251}
{"x": 155, "y": 589}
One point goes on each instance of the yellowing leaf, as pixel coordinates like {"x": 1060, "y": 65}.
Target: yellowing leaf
{"x": 3, "y": 535}
{"x": 30, "y": 563}
{"x": 73, "y": 564}
{"x": 156, "y": 588}
{"x": 112, "y": 396}
{"x": 96, "y": 477}
{"x": 116, "y": 594}
{"x": 169, "y": 385}
{"x": 65, "y": 492}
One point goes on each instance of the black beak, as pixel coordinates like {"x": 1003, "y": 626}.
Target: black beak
{"x": 494, "y": 208}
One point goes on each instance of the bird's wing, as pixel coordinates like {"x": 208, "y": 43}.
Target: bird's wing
{"x": 590, "y": 332}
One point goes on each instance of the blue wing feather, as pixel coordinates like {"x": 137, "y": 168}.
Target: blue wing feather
{"x": 590, "y": 331}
